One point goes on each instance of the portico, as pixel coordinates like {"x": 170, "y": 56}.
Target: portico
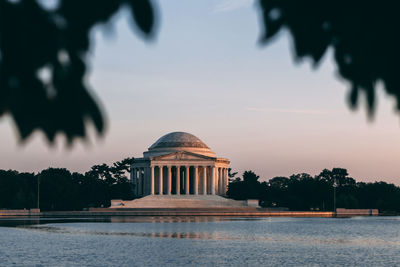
{"x": 184, "y": 178}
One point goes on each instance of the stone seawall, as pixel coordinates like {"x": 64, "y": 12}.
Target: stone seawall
{"x": 356, "y": 212}
{"x": 238, "y": 212}
{"x": 245, "y": 212}
{"x": 31, "y": 212}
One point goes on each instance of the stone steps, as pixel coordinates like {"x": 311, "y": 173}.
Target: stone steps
{"x": 183, "y": 201}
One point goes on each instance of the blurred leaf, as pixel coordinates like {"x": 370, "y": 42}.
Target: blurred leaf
{"x": 35, "y": 40}
{"x": 143, "y": 15}
{"x": 362, "y": 34}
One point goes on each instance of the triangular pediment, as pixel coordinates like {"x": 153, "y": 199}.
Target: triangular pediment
{"x": 182, "y": 155}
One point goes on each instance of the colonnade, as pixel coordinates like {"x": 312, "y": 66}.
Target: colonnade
{"x": 179, "y": 179}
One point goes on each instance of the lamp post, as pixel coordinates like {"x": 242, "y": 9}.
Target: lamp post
{"x": 334, "y": 197}
{"x": 38, "y": 192}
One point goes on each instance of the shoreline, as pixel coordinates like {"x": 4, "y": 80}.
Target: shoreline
{"x": 232, "y": 212}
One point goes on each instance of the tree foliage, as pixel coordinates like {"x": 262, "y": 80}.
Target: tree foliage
{"x": 362, "y": 35}
{"x": 43, "y": 52}
{"x": 43, "y": 62}
{"x": 16, "y": 189}
{"x": 62, "y": 190}
{"x": 114, "y": 177}
{"x": 304, "y": 192}
{"x": 247, "y": 188}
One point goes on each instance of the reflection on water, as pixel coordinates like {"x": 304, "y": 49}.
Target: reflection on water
{"x": 190, "y": 235}
{"x": 45, "y": 225}
{"x": 15, "y": 221}
{"x": 182, "y": 241}
{"x": 215, "y": 235}
{"x": 174, "y": 219}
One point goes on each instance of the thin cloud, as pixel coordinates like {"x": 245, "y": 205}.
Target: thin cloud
{"x": 289, "y": 110}
{"x": 230, "y": 5}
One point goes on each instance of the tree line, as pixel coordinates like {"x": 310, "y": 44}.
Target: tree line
{"x": 59, "y": 189}
{"x": 305, "y": 192}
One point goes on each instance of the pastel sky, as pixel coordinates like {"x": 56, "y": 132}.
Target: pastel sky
{"x": 206, "y": 74}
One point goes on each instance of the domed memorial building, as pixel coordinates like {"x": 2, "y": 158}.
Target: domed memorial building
{"x": 179, "y": 164}
{"x": 179, "y": 172}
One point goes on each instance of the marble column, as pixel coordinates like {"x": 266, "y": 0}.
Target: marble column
{"x": 134, "y": 180}
{"x": 187, "y": 180}
{"x": 140, "y": 182}
{"x": 178, "y": 180}
{"x": 212, "y": 180}
{"x": 226, "y": 181}
{"x": 219, "y": 181}
{"x": 222, "y": 191}
{"x": 196, "y": 180}
{"x": 151, "y": 180}
{"x": 222, "y": 182}
{"x": 204, "y": 180}
{"x": 145, "y": 181}
{"x": 161, "y": 181}
{"x": 169, "y": 181}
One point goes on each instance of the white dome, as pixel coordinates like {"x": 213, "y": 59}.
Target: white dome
{"x": 178, "y": 141}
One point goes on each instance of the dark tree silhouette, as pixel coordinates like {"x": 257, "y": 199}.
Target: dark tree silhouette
{"x": 362, "y": 34}
{"x": 232, "y": 175}
{"x": 62, "y": 190}
{"x": 338, "y": 175}
{"x": 114, "y": 177}
{"x": 277, "y": 192}
{"x": 17, "y": 190}
{"x": 43, "y": 50}
{"x": 304, "y": 192}
{"x": 247, "y": 188}
{"x": 43, "y": 62}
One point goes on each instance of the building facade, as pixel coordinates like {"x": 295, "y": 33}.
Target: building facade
{"x": 179, "y": 163}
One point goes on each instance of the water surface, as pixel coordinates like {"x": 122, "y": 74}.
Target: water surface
{"x": 204, "y": 241}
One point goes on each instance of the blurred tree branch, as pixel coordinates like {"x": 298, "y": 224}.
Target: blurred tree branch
{"x": 362, "y": 34}
{"x": 43, "y": 53}
{"x": 43, "y": 62}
